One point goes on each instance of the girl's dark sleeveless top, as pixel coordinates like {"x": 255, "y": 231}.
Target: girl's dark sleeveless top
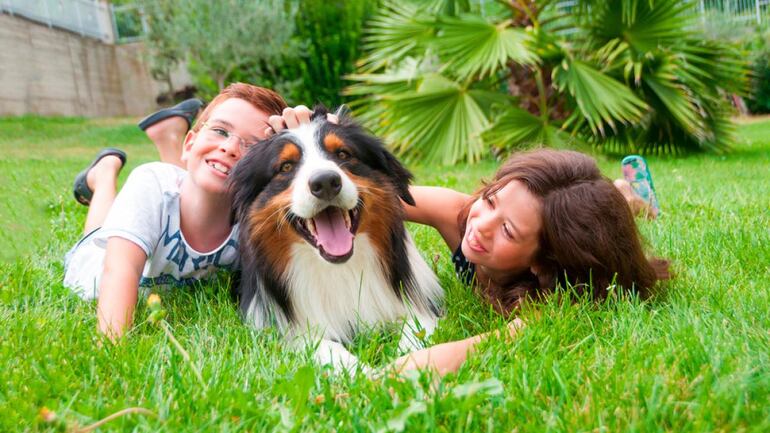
{"x": 464, "y": 269}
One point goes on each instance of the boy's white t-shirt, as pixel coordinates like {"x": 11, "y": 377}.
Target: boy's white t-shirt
{"x": 146, "y": 212}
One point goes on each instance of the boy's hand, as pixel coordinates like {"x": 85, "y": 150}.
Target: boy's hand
{"x": 119, "y": 286}
{"x": 292, "y": 118}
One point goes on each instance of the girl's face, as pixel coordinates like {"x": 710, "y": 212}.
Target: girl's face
{"x": 502, "y": 231}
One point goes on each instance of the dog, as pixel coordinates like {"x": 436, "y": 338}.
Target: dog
{"x": 323, "y": 245}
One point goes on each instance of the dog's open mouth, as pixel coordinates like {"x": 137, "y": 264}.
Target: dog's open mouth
{"x": 331, "y": 231}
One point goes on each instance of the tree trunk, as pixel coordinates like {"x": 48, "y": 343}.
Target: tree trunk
{"x": 521, "y": 82}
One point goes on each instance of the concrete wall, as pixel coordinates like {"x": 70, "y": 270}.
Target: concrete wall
{"x": 54, "y": 72}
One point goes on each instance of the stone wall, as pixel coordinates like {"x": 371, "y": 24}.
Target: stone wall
{"x": 49, "y": 71}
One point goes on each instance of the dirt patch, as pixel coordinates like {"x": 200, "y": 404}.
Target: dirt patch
{"x": 745, "y": 120}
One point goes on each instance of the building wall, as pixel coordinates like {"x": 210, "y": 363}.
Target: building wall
{"x": 49, "y": 71}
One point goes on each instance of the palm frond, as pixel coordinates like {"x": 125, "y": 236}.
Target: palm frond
{"x": 437, "y": 120}
{"x": 716, "y": 65}
{"x": 440, "y": 122}
{"x": 600, "y": 98}
{"x": 517, "y": 128}
{"x": 679, "y": 101}
{"x": 446, "y": 7}
{"x": 644, "y": 25}
{"x": 472, "y": 47}
{"x": 397, "y": 31}
{"x": 371, "y": 90}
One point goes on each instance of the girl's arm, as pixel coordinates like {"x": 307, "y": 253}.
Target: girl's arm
{"x": 448, "y": 357}
{"x": 118, "y": 288}
{"x": 438, "y": 208}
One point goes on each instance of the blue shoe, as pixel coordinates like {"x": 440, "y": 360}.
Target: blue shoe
{"x": 637, "y": 174}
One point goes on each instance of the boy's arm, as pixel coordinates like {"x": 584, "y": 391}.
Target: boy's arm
{"x": 438, "y": 208}
{"x": 119, "y": 285}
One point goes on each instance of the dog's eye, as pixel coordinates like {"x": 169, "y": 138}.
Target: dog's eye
{"x": 343, "y": 155}
{"x": 287, "y": 167}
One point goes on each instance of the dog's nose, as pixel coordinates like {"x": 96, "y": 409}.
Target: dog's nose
{"x": 325, "y": 184}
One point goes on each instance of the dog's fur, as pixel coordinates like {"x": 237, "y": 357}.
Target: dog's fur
{"x": 303, "y": 289}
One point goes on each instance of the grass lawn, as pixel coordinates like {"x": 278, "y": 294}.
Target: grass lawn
{"x": 695, "y": 358}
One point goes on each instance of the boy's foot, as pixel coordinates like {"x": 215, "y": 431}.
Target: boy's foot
{"x": 639, "y": 179}
{"x": 186, "y": 109}
{"x": 108, "y": 159}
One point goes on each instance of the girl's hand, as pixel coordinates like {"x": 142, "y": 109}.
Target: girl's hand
{"x": 292, "y": 118}
{"x": 448, "y": 357}
{"x": 515, "y": 326}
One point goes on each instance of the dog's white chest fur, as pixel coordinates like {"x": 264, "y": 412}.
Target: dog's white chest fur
{"x": 335, "y": 298}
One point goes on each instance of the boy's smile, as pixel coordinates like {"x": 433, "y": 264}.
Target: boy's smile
{"x": 219, "y": 166}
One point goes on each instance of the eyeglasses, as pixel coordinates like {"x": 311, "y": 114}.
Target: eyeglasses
{"x": 219, "y": 134}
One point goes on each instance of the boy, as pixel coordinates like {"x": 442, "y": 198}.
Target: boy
{"x": 168, "y": 225}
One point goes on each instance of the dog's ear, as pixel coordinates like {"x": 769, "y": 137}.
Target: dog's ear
{"x": 248, "y": 178}
{"x": 343, "y": 112}
{"x": 393, "y": 168}
{"x": 319, "y": 110}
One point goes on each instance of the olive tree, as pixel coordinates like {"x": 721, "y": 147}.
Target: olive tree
{"x": 219, "y": 38}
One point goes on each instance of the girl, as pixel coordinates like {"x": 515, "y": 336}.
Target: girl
{"x": 547, "y": 218}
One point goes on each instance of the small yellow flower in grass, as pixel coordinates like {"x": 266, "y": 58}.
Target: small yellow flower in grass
{"x": 157, "y": 313}
{"x": 47, "y": 415}
{"x": 420, "y": 334}
{"x": 153, "y": 302}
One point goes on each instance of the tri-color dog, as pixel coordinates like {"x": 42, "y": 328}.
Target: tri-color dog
{"x": 323, "y": 244}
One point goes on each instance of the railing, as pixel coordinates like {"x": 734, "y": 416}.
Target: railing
{"x": 89, "y": 18}
{"x": 717, "y": 15}
{"x": 746, "y": 11}
{"x": 98, "y": 19}
{"x": 129, "y": 23}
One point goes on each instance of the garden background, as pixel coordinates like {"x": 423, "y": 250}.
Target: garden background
{"x": 595, "y": 76}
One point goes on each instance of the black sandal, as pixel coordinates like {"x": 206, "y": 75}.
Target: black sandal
{"x": 80, "y": 187}
{"x": 187, "y": 109}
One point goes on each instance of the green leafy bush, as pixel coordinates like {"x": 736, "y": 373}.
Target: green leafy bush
{"x": 447, "y": 83}
{"x": 300, "y": 48}
{"x": 329, "y": 32}
{"x": 759, "y": 98}
{"x": 223, "y": 41}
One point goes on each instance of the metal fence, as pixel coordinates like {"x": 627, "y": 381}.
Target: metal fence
{"x": 736, "y": 11}
{"x": 98, "y": 19}
{"x": 90, "y": 18}
{"x": 129, "y": 22}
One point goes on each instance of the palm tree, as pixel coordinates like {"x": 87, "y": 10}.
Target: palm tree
{"x": 444, "y": 80}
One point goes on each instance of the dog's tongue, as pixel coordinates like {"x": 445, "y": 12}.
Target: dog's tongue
{"x": 333, "y": 235}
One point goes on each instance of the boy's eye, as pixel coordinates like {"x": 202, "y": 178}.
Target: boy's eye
{"x": 221, "y": 132}
{"x": 287, "y": 167}
{"x": 489, "y": 201}
{"x": 343, "y": 155}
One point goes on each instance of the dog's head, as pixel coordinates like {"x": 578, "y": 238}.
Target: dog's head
{"x": 321, "y": 183}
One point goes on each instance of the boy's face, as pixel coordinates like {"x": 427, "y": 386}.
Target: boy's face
{"x": 210, "y": 154}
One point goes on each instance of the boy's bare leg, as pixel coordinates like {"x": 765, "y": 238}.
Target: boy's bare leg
{"x": 168, "y": 137}
{"x": 638, "y": 206}
{"x": 102, "y": 179}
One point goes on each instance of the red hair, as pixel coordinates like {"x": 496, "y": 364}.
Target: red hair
{"x": 261, "y": 98}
